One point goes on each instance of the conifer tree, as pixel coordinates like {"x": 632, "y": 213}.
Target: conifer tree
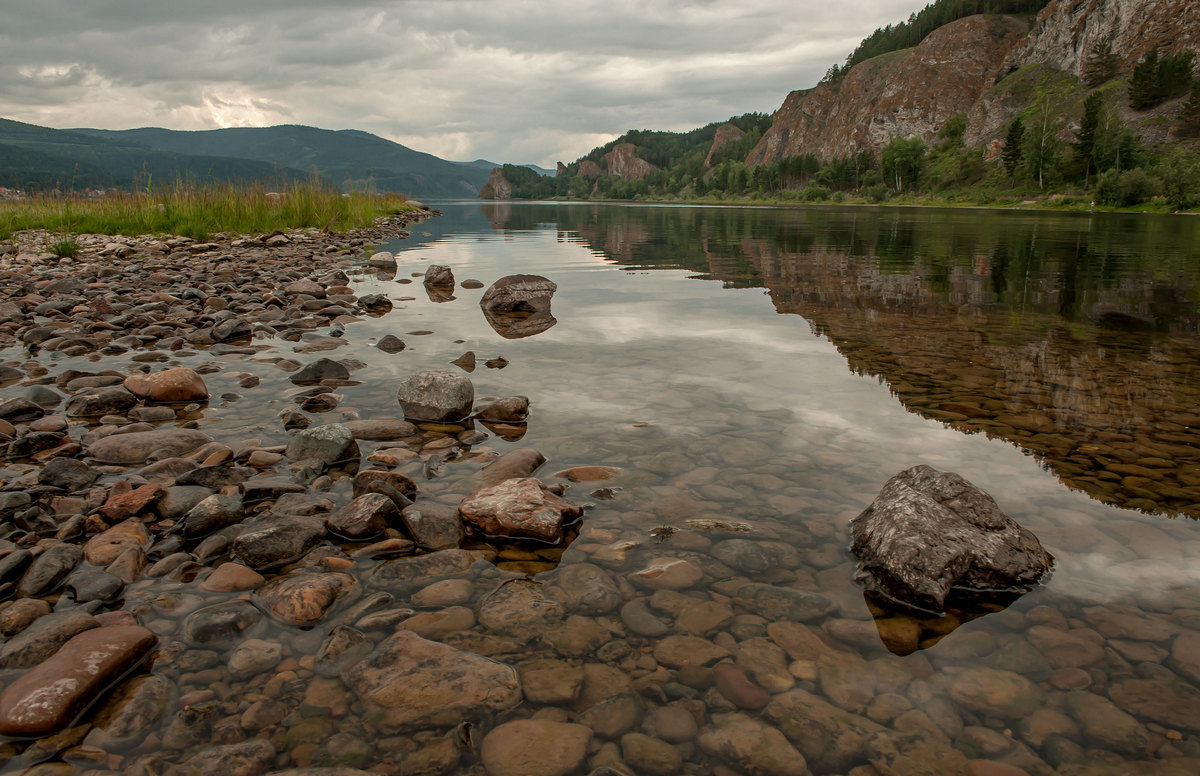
{"x": 1101, "y": 65}
{"x": 1189, "y": 112}
{"x": 1143, "y": 86}
{"x": 1012, "y": 145}
{"x": 1085, "y": 138}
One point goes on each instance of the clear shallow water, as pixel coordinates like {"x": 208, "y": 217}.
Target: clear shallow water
{"x": 757, "y": 375}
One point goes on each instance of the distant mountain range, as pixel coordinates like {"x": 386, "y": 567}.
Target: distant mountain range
{"x": 39, "y": 158}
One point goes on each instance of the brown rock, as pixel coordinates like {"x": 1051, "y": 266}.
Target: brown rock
{"x": 178, "y": 385}
{"x": 51, "y": 695}
{"x": 521, "y": 462}
{"x": 535, "y": 747}
{"x": 229, "y": 577}
{"x": 304, "y": 598}
{"x": 519, "y": 508}
{"x": 103, "y": 548}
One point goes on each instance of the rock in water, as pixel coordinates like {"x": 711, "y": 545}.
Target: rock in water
{"x": 49, "y": 696}
{"x": 439, "y": 275}
{"x": 409, "y": 682}
{"x": 929, "y": 531}
{"x": 519, "y": 293}
{"x": 521, "y": 508}
{"x": 437, "y": 396}
{"x": 178, "y": 385}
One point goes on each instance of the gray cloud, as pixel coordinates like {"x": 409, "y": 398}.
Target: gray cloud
{"x": 507, "y": 80}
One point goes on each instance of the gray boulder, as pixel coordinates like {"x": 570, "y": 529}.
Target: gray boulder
{"x": 519, "y": 293}
{"x": 435, "y": 395}
{"x": 929, "y": 531}
{"x": 439, "y": 275}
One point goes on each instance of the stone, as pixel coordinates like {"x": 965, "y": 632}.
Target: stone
{"x": 137, "y": 446}
{"x": 390, "y": 343}
{"x": 519, "y": 293}
{"x": 331, "y": 444}
{"x": 101, "y": 401}
{"x": 277, "y": 540}
{"x": 432, "y": 526}
{"x": 103, "y": 548}
{"x": 783, "y": 603}
{"x": 49, "y": 696}
{"x": 677, "y": 651}
{"x": 928, "y": 531}
{"x": 1105, "y": 726}
{"x": 67, "y": 473}
{"x": 410, "y": 682}
{"x": 738, "y": 688}
{"x": 419, "y": 571}
{"x": 321, "y": 369}
{"x": 991, "y": 691}
{"x": 380, "y": 429}
{"x": 365, "y": 517}
{"x": 221, "y": 623}
{"x": 512, "y": 409}
{"x": 649, "y": 755}
{"x": 668, "y": 574}
{"x": 245, "y": 758}
{"x": 584, "y": 588}
{"x": 211, "y": 514}
{"x": 751, "y": 746}
{"x": 518, "y": 605}
{"x": 43, "y": 637}
{"x": 550, "y": 682}
{"x": 231, "y": 577}
{"x": 304, "y": 598}
{"x": 436, "y": 396}
{"x": 179, "y": 385}
{"x": 521, "y": 462}
{"x": 830, "y": 739}
{"x": 521, "y": 508}
{"x": 127, "y": 717}
{"x": 16, "y": 616}
{"x": 535, "y": 747}
{"x": 1165, "y": 701}
{"x": 49, "y": 570}
{"x": 438, "y": 275}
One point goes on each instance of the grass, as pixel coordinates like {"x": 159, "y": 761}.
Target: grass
{"x": 199, "y": 211}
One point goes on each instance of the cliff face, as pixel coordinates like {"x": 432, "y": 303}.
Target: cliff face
{"x": 622, "y": 162}
{"x": 912, "y": 92}
{"x": 1066, "y": 31}
{"x": 727, "y": 135}
{"x": 904, "y": 93}
{"x": 497, "y": 186}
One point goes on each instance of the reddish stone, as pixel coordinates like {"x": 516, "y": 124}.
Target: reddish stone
{"x": 129, "y": 504}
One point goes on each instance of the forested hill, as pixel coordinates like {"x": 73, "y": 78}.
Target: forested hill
{"x": 34, "y": 158}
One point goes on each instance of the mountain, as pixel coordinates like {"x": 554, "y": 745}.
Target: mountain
{"x": 349, "y": 158}
{"x": 38, "y": 159}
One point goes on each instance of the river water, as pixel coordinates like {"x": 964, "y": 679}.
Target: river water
{"x": 754, "y": 376}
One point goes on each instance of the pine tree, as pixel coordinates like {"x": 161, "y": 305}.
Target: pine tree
{"x": 1189, "y": 112}
{"x": 1012, "y": 145}
{"x": 1143, "y": 86}
{"x": 1101, "y": 65}
{"x": 1085, "y": 138}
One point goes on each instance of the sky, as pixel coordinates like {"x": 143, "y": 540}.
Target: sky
{"x": 520, "y": 81}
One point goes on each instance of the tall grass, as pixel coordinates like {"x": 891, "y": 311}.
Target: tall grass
{"x": 200, "y": 211}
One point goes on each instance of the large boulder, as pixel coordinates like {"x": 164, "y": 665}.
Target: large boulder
{"x": 178, "y": 385}
{"x": 436, "y": 395}
{"x": 929, "y": 531}
{"x": 519, "y": 293}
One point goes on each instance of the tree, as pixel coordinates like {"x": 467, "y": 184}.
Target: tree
{"x": 1013, "y": 145}
{"x": 903, "y": 158}
{"x": 1101, "y": 64}
{"x": 951, "y": 133}
{"x": 1189, "y": 112}
{"x": 1181, "y": 179}
{"x": 1143, "y": 85}
{"x": 1041, "y": 142}
{"x": 1085, "y": 138}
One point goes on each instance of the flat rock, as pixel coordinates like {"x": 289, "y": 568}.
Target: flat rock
{"x": 535, "y": 747}
{"x": 43, "y": 637}
{"x": 304, "y": 598}
{"x": 410, "y": 682}
{"x": 365, "y": 517}
{"x": 330, "y": 444}
{"x": 277, "y": 540}
{"x": 49, "y": 697}
{"x": 752, "y": 746}
{"x": 178, "y": 385}
{"x": 103, "y": 548}
{"x": 380, "y": 429}
{"x": 137, "y": 446}
{"x": 521, "y": 462}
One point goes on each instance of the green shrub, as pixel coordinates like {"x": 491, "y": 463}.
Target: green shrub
{"x": 66, "y": 248}
{"x": 815, "y": 193}
{"x": 1126, "y": 189}
{"x": 877, "y": 192}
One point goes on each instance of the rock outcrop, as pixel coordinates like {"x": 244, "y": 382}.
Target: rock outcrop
{"x": 908, "y": 93}
{"x": 727, "y": 135}
{"x": 623, "y": 162}
{"x": 1067, "y": 30}
{"x": 929, "y": 531}
{"x": 497, "y": 187}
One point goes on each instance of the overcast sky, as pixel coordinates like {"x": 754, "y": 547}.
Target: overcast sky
{"x": 506, "y": 80}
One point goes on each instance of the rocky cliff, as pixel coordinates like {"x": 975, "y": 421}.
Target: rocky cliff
{"x": 623, "y": 162}
{"x": 1066, "y": 31}
{"x": 727, "y": 135}
{"x": 956, "y": 69}
{"x": 904, "y": 93}
{"x": 497, "y": 186}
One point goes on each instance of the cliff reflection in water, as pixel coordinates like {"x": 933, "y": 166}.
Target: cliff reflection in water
{"x": 1075, "y": 337}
